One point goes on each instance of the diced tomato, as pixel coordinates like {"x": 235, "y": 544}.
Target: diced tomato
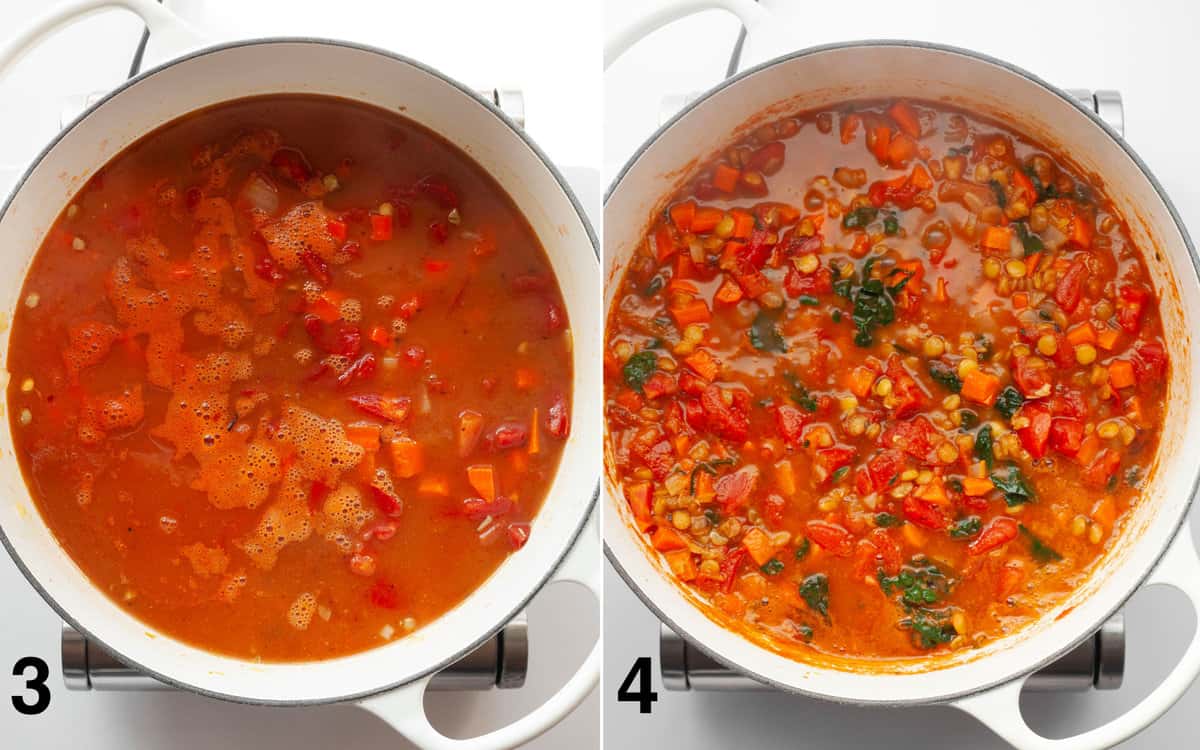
{"x": 887, "y": 550}
{"x": 1035, "y": 436}
{"x": 439, "y": 191}
{"x": 518, "y": 535}
{"x": 392, "y": 408}
{"x": 1033, "y": 381}
{"x": 1129, "y": 307}
{"x": 908, "y": 394}
{"x": 507, "y": 436}
{"x": 316, "y": 267}
{"x": 768, "y": 159}
{"x": 1069, "y": 289}
{"x": 387, "y": 503}
{"x": 317, "y": 495}
{"x": 772, "y": 510}
{"x": 829, "y": 460}
{"x": 731, "y": 421}
{"x": 734, "y": 489}
{"x": 384, "y": 595}
{"x": 830, "y": 537}
{"x": 916, "y": 437}
{"x": 1025, "y": 186}
{"x": 1066, "y": 435}
{"x": 884, "y": 467}
{"x": 789, "y": 422}
{"x": 926, "y": 515}
{"x": 1149, "y": 361}
{"x": 265, "y": 268}
{"x": 900, "y": 191}
{"x": 819, "y": 282}
{"x": 558, "y": 418}
{"x": 337, "y": 229}
{"x": 1000, "y": 531}
{"x": 381, "y": 227}
{"x": 477, "y": 509}
{"x": 1102, "y": 468}
{"x": 729, "y": 567}
{"x": 362, "y": 368}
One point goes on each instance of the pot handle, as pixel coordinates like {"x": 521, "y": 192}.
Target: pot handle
{"x": 1000, "y": 709}
{"x": 404, "y": 707}
{"x": 754, "y": 17}
{"x": 167, "y": 28}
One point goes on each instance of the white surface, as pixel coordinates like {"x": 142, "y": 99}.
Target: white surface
{"x": 40, "y": 83}
{"x": 669, "y": 62}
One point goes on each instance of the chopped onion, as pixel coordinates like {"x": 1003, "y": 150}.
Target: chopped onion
{"x": 258, "y": 192}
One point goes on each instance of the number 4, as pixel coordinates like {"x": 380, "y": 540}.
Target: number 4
{"x": 644, "y": 697}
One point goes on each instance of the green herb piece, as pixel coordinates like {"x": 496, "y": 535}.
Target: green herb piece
{"x": 918, "y": 584}
{"x": 969, "y": 419}
{"x": 984, "y": 445}
{"x": 931, "y": 628}
{"x": 815, "y": 592}
{"x": 764, "y": 336}
{"x": 800, "y": 394}
{"x": 891, "y": 225}
{"x": 998, "y": 191}
{"x": 1016, "y": 490}
{"x": 1133, "y": 477}
{"x": 1009, "y": 400}
{"x": 837, "y": 316}
{"x": 983, "y": 348}
{"x": 1033, "y": 243}
{"x": 1040, "y": 551}
{"x": 859, "y": 218}
{"x": 640, "y": 367}
{"x": 1111, "y": 484}
{"x": 772, "y": 567}
{"x": 1044, "y": 192}
{"x": 955, "y": 484}
{"x": 962, "y": 150}
{"x": 844, "y": 288}
{"x": 805, "y": 299}
{"x": 886, "y": 520}
{"x": 945, "y": 374}
{"x": 873, "y": 307}
{"x": 654, "y": 287}
{"x": 806, "y": 632}
{"x": 966, "y": 527}
{"x": 803, "y": 548}
{"x": 840, "y": 473}
{"x": 712, "y": 515}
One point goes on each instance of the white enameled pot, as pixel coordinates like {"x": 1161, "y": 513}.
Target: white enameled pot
{"x": 389, "y": 680}
{"x": 1151, "y": 550}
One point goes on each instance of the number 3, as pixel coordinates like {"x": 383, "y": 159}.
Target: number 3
{"x": 37, "y": 684}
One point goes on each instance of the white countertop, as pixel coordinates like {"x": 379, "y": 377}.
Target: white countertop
{"x": 1140, "y": 49}
{"x": 550, "y": 51}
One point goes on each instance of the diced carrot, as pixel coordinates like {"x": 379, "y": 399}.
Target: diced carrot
{"x": 682, "y": 215}
{"x": 526, "y": 378}
{"x": 704, "y": 485}
{"x": 327, "y": 311}
{"x": 1107, "y": 339}
{"x": 906, "y": 117}
{"x": 704, "y": 363}
{"x": 1031, "y": 263}
{"x": 920, "y": 178}
{"x": 730, "y": 292}
{"x": 1088, "y": 449}
{"x": 705, "y": 219}
{"x": 638, "y": 495}
{"x": 682, "y": 564}
{"x": 695, "y": 311}
{"x": 977, "y": 486}
{"x": 997, "y": 238}
{"x": 849, "y": 127}
{"x": 861, "y": 380}
{"x": 408, "y": 459}
{"x": 366, "y": 435}
{"x": 535, "y": 433}
{"x": 941, "y": 295}
{"x": 682, "y": 443}
{"x": 1084, "y": 333}
{"x": 743, "y": 223}
{"x": 980, "y": 387}
{"x": 1020, "y": 300}
{"x": 664, "y": 243}
{"x": 1120, "y": 373}
{"x": 1080, "y": 231}
{"x": 878, "y": 140}
{"x": 470, "y": 427}
{"x": 682, "y": 285}
{"x": 725, "y": 178}
{"x": 483, "y": 478}
{"x": 914, "y": 535}
{"x": 381, "y": 227}
{"x": 519, "y": 461}
{"x": 434, "y": 485}
{"x": 785, "y": 477}
{"x": 758, "y": 544}
{"x": 934, "y": 491}
{"x": 901, "y": 150}
{"x": 666, "y": 539}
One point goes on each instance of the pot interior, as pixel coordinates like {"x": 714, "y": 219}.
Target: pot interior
{"x": 377, "y": 78}
{"x": 824, "y": 77}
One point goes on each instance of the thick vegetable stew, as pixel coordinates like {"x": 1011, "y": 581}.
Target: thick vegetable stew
{"x": 290, "y": 378}
{"x": 884, "y": 380}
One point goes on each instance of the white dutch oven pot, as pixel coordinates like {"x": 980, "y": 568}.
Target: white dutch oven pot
{"x": 390, "y": 680}
{"x": 1150, "y": 550}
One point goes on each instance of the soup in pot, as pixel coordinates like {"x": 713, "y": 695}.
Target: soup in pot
{"x": 290, "y": 378}
{"x": 883, "y": 381}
